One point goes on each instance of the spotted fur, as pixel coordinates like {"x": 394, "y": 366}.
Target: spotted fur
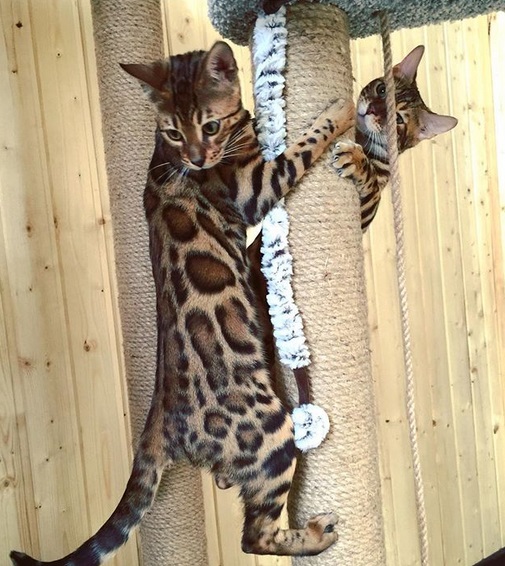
{"x": 366, "y": 161}
{"x": 213, "y": 403}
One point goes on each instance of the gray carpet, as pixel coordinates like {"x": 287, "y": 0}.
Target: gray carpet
{"x": 234, "y": 19}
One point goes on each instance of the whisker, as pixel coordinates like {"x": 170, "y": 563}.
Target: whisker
{"x": 160, "y": 165}
{"x": 234, "y": 151}
{"x": 234, "y": 146}
{"x": 368, "y": 142}
{"x": 175, "y": 172}
{"x": 238, "y": 145}
{"x": 229, "y": 158}
{"x": 236, "y": 136}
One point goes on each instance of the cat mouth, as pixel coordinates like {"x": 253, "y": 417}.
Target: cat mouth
{"x": 196, "y": 167}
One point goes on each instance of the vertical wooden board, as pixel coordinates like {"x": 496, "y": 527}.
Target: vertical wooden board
{"x": 79, "y": 222}
{"x": 451, "y": 425}
{"x": 485, "y": 347}
{"x": 473, "y": 185}
{"x": 32, "y": 190}
{"x": 440, "y": 216}
{"x": 34, "y": 283}
{"x": 15, "y": 479}
{"x": 272, "y": 560}
{"x": 497, "y": 52}
{"x": 243, "y": 57}
{"x": 185, "y": 24}
{"x": 494, "y": 307}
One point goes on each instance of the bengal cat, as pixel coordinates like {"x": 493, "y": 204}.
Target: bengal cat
{"x": 213, "y": 404}
{"x": 366, "y": 161}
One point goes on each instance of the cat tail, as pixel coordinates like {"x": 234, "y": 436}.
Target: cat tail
{"x": 148, "y": 465}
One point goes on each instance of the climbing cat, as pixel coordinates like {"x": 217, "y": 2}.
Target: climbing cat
{"x": 366, "y": 161}
{"x": 213, "y": 404}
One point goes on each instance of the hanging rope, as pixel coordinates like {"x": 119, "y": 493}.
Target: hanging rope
{"x": 402, "y": 287}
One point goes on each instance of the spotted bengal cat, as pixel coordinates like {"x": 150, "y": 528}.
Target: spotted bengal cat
{"x": 366, "y": 161}
{"x": 213, "y": 404}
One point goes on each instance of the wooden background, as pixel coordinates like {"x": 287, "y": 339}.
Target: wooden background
{"x": 64, "y": 436}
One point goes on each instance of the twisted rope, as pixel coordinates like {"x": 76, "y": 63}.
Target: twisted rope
{"x": 402, "y": 287}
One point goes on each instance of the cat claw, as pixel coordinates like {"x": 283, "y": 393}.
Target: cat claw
{"x": 345, "y": 157}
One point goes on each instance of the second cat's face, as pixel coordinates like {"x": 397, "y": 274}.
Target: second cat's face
{"x": 414, "y": 120}
{"x": 371, "y": 107}
{"x": 371, "y": 112}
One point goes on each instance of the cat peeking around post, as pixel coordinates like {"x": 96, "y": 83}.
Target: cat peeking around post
{"x": 213, "y": 404}
{"x": 366, "y": 161}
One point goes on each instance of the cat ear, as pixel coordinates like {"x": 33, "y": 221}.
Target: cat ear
{"x": 408, "y": 67}
{"x": 153, "y": 74}
{"x": 432, "y": 124}
{"x": 220, "y": 63}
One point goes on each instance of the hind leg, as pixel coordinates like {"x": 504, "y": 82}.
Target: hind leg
{"x": 265, "y": 494}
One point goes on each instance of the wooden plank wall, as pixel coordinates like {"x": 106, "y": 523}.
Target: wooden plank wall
{"x": 64, "y": 440}
{"x": 453, "y": 210}
{"x": 65, "y": 449}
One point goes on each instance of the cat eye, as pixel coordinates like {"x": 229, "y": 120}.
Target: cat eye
{"x": 381, "y": 90}
{"x": 399, "y": 119}
{"x": 211, "y": 128}
{"x": 174, "y": 135}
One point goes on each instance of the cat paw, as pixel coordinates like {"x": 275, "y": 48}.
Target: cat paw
{"x": 323, "y": 527}
{"x": 347, "y": 158}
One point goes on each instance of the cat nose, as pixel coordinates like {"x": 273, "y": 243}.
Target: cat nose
{"x": 371, "y": 109}
{"x": 198, "y": 161}
{"x": 377, "y": 108}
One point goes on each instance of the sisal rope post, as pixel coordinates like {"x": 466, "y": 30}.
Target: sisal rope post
{"x": 130, "y": 31}
{"x": 395, "y": 181}
{"x": 326, "y": 243}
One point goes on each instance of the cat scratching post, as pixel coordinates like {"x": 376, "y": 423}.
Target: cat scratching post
{"x": 130, "y": 31}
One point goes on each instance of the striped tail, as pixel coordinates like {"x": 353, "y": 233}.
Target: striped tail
{"x": 136, "y": 501}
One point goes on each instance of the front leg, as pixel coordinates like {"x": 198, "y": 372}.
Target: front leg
{"x": 369, "y": 176}
{"x": 260, "y": 184}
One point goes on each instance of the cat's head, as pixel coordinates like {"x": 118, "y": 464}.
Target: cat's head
{"x": 415, "y": 121}
{"x": 197, "y": 100}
